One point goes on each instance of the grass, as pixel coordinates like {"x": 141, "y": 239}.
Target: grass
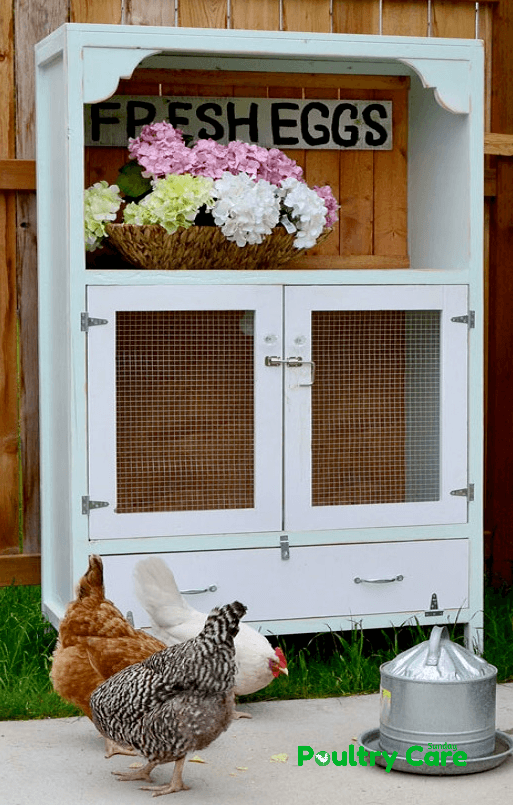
{"x": 326, "y": 664}
{"x": 26, "y": 644}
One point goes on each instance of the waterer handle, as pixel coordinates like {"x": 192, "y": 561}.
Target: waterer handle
{"x": 438, "y": 633}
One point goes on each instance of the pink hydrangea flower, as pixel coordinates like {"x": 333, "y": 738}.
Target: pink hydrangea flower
{"x": 160, "y": 150}
{"x": 331, "y": 204}
{"x": 209, "y": 159}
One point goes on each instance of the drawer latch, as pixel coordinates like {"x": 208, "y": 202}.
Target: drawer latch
{"x": 284, "y": 547}
{"x": 433, "y": 608}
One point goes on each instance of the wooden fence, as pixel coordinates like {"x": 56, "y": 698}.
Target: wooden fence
{"x": 24, "y": 22}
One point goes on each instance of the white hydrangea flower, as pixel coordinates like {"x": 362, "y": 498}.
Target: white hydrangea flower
{"x": 246, "y": 210}
{"x": 101, "y": 203}
{"x": 304, "y": 211}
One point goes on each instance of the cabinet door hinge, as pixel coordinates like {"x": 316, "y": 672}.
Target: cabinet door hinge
{"x": 466, "y": 492}
{"x": 469, "y": 319}
{"x": 88, "y": 504}
{"x": 86, "y": 322}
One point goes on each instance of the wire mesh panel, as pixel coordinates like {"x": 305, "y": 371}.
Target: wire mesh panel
{"x": 375, "y": 406}
{"x": 184, "y": 410}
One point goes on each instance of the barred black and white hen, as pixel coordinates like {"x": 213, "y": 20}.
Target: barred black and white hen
{"x": 176, "y": 701}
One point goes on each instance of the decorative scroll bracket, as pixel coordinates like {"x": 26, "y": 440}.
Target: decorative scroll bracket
{"x": 451, "y": 87}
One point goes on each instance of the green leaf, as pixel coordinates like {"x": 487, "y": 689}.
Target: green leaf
{"x": 131, "y": 182}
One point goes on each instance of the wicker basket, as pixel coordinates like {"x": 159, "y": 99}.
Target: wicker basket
{"x": 198, "y": 248}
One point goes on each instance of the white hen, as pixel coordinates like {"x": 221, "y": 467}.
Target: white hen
{"x": 174, "y": 620}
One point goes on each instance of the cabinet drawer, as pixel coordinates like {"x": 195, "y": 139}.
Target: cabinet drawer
{"x": 317, "y": 581}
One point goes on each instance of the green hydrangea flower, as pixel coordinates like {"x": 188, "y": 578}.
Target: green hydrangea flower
{"x": 101, "y": 203}
{"x": 174, "y": 202}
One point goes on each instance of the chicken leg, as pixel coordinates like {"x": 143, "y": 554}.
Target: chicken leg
{"x": 176, "y": 784}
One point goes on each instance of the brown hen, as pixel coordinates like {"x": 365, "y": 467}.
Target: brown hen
{"x": 95, "y": 642}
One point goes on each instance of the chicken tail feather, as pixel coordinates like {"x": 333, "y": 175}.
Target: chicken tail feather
{"x": 157, "y": 591}
{"x": 91, "y": 582}
{"x": 224, "y": 620}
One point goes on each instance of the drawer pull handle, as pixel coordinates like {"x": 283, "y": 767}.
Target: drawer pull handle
{"x": 358, "y": 580}
{"x": 210, "y": 589}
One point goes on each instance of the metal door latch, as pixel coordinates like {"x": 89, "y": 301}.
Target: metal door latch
{"x": 284, "y": 546}
{"x": 466, "y": 492}
{"x": 294, "y": 361}
{"x": 274, "y": 360}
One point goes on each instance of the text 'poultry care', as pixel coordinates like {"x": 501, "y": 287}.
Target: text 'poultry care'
{"x": 365, "y": 757}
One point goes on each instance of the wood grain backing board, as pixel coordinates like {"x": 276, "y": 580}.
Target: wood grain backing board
{"x": 280, "y": 80}
{"x": 373, "y": 215}
{"x": 391, "y": 184}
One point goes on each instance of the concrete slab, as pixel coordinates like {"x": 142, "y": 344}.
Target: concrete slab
{"x": 61, "y": 761}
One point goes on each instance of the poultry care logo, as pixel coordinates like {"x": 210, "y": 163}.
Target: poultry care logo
{"x": 366, "y": 757}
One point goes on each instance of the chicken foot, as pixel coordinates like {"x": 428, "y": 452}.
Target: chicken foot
{"x": 239, "y": 714}
{"x": 137, "y": 774}
{"x": 176, "y": 784}
{"x": 112, "y": 748}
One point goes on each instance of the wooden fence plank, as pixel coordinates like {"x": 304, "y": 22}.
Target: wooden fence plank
{"x": 484, "y": 32}
{"x": 7, "y": 135}
{"x": 34, "y": 20}
{"x": 9, "y": 464}
{"x": 307, "y": 15}
{"x": 9, "y": 478}
{"x": 453, "y": 19}
{"x": 499, "y": 144}
{"x": 24, "y": 569}
{"x": 97, "y": 11}
{"x": 17, "y": 174}
{"x": 405, "y": 18}
{"x": 499, "y": 465}
{"x": 203, "y": 13}
{"x": 356, "y": 16}
{"x": 256, "y": 14}
{"x": 150, "y": 12}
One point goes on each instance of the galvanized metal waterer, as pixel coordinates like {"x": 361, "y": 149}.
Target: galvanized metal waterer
{"x": 438, "y": 693}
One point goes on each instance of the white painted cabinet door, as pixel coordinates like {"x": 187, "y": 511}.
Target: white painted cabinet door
{"x": 185, "y": 419}
{"x": 202, "y": 399}
{"x": 376, "y": 415}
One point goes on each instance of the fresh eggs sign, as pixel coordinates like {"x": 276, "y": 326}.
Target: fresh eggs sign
{"x": 269, "y": 122}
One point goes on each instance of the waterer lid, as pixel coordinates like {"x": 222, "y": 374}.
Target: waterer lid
{"x": 439, "y": 660}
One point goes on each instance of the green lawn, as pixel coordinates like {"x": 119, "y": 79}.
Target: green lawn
{"x": 328, "y": 664}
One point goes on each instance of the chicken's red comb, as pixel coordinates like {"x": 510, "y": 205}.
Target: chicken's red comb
{"x": 281, "y": 657}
